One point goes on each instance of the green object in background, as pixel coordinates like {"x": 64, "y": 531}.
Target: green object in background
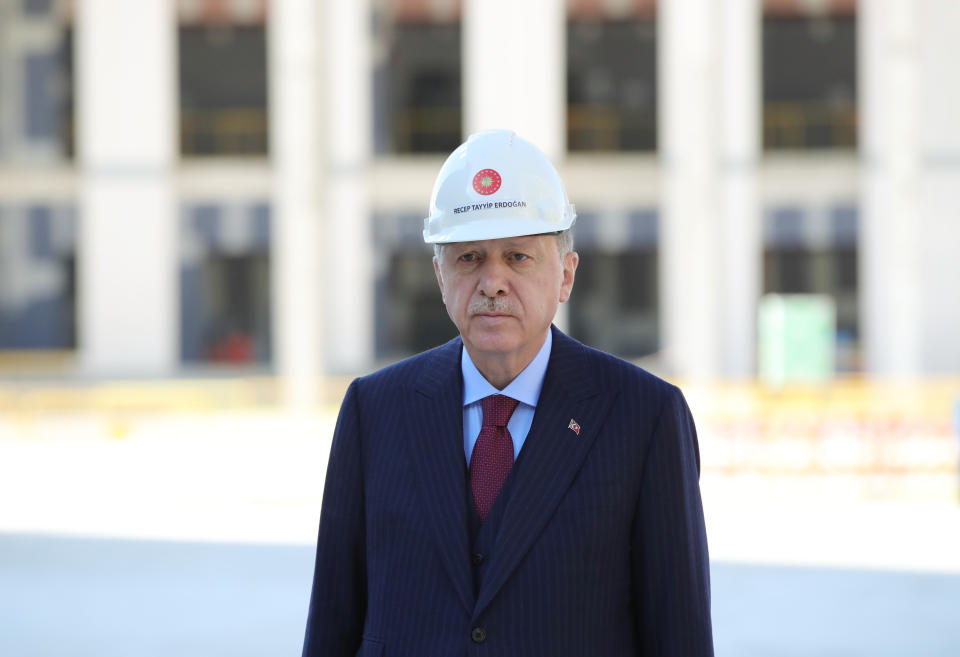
{"x": 796, "y": 338}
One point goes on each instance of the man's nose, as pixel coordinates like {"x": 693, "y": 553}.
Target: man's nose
{"x": 494, "y": 278}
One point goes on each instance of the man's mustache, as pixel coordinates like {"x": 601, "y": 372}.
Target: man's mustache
{"x": 491, "y": 305}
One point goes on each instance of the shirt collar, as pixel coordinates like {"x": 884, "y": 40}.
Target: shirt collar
{"x": 524, "y": 388}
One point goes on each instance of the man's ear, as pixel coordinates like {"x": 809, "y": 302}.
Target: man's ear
{"x": 570, "y": 262}
{"x": 436, "y": 270}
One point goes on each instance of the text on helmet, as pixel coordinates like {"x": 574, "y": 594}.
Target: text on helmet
{"x": 472, "y": 207}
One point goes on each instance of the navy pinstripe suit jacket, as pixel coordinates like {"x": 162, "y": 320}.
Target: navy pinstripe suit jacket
{"x": 601, "y": 550}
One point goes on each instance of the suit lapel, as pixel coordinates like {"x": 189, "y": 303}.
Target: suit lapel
{"x": 436, "y": 421}
{"x": 552, "y": 455}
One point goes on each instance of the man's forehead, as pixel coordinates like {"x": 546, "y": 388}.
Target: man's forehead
{"x": 526, "y": 241}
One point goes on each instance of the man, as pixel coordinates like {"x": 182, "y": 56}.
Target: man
{"x": 511, "y": 493}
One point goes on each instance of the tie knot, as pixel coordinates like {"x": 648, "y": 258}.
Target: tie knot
{"x": 497, "y": 410}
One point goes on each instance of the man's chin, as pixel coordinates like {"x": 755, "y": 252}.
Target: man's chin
{"x": 492, "y": 337}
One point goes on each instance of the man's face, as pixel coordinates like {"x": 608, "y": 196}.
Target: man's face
{"x": 502, "y": 294}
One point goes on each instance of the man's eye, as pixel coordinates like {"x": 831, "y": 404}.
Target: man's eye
{"x": 469, "y": 257}
{"x": 520, "y": 257}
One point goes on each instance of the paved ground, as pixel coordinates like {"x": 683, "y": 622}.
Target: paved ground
{"x": 89, "y": 597}
{"x": 191, "y": 534}
{"x": 79, "y": 597}
{"x": 789, "y": 611}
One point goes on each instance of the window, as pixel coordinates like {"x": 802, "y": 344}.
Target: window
{"x": 417, "y": 72}
{"x": 812, "y": 252}
{"x": 37, "y": 277}
{"x": 614, "y": 305}
{"x": 614, "y": 302}
{"x": 36, "y": 87}
{"x": 611, "y": 83}
{"x": 223, "y": 90}
{"x": 809, "y": 79}
{"x": 225, "y": 284}
{"x": 410, "y": 316}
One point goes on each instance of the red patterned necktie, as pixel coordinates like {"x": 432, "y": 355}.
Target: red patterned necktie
{"x": 492, "y": 455}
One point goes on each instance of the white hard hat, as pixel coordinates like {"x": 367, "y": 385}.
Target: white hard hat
{"x": 496, "y": 185}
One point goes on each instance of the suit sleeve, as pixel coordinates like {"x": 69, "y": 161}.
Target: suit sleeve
{"x": 338, "y": 599}
{"x": 671, "y": 569}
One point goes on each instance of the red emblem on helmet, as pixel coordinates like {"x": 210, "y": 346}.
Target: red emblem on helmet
{"x": 486, "y": 182}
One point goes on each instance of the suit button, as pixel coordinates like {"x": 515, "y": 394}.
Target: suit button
{"x": 477, "y": 559}
{"x": 478, "y": 634}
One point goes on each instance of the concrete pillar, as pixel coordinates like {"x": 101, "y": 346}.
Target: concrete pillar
{"x": 710, "y": 249}
{"x": 348, "y": 251}
{"x": 688, "y": 71}
{"x": 514, "y": 70}
{"x": 296, "y": 142}
{"x": 741, "y": 245}
{"x": 939, "y": 234}
{"x": 126, "y": 111}
{"x": 910, "y": 224}
{"x": 890, "y": 261}
{"x": 514, "y": 75}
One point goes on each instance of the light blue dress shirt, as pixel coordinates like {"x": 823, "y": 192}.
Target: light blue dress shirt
{"x": 525, "y": 388}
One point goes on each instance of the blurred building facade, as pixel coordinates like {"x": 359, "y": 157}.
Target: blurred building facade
{"x": 190, "y": 183}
